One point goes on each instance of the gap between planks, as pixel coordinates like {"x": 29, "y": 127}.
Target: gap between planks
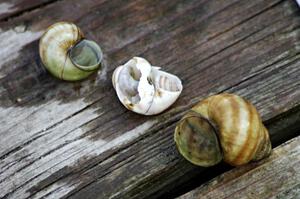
{"x": 275, "y": 177}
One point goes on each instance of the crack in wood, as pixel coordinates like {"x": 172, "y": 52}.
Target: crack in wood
{"x": 21, "y": 12}
{"x": 273, "y": 176}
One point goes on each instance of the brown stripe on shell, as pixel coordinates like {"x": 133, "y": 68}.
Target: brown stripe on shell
{"x": 244, "y": 155}
{"x": 238, "y": 106}
{"x": 260, "y": 145}
{"x": 265, "y": 147}
{"x": 218, "y": 114}
{"x": 266, "y": 143}
{"x": 234, "y": 127}
{"x": 259, "y": 132}
{"x": 236, "y": 118}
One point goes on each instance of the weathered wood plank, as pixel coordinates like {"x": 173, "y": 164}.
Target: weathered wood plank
{"x": 13, "y": 8}
{"x": 18, "y": 84}
{"x": 13, "y": 81}
{"x": 275, "y": 177}
{"x": 75, "y": 139}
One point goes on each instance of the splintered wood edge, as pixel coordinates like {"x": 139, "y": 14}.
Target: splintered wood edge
{"x": 277, "y": 176}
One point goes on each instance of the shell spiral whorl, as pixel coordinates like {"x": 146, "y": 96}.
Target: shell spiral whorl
{"x": 223, "y": 126}
{"x": 66, "y": 54}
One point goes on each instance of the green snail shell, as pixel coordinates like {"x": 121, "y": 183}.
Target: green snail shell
{"x": 66, "y": 54}
{"x": 223, "y": 126}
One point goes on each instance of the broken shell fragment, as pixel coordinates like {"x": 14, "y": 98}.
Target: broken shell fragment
{"x": 66, "y": 54}
{"x": 145, "y": 89}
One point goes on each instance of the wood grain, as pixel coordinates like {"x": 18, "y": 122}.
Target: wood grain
{"x": 275, "y": 177}
{"x": 13, "y": 8}
{"x": 61, "y": 139}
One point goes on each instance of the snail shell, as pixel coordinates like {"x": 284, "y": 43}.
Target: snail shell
{"x": 223, "y": 126}
{"x": 145, "y": 89}
{"x": 66, "y": 54}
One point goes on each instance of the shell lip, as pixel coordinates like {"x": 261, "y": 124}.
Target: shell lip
{"x": 193, "y": 113}
{"x": 211, "y": 123}
{"x": 94, "y": 50}
{"x": 202, "y": 163}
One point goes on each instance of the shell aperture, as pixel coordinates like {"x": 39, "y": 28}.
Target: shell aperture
{"x": 86, "y": 55}
{"x": 197, "y": 141}
{"x": 145, "y": 89}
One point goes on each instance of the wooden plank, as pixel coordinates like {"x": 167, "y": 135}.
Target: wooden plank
{"x": 275, "y": 177}
{"x": 18, "y": 80}
{"x": 13, "y": 8}
{"x": 75, "y": 139}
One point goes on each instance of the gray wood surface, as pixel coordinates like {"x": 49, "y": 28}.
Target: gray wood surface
{"x": 13, "y": 8}
{"x": 76, "y": 140}
{"x": 275, "y": 177}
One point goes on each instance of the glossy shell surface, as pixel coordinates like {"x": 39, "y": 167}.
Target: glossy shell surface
{"x": 227, "y": 122}
{"x": 66, "y": 54}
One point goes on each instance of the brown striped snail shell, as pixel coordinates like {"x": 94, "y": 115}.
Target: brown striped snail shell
{"x": 223, "y": 126}
{"x": 67, "y": 54}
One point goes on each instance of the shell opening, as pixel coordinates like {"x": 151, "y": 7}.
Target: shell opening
{"x": 129, "y": 79}
{"x": 86, "y": 55}
{"x": 197, "y": 141}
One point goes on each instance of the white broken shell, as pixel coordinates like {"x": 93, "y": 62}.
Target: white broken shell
{"x": 145, "y": 89}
